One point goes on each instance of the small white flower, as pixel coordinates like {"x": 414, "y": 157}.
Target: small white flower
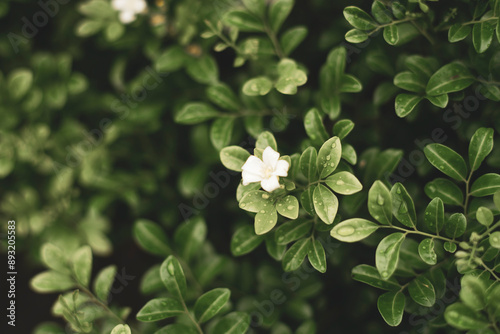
{"x": 266, "y": 171}
{"x": 128, "y": 9}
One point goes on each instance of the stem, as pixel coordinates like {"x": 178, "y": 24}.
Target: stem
{"x": 480, "y": 21}
{"x": 491, "y": 228}
{"x": 390, "y": 24}
{"x": 419, "y": 232}
{"x": 198, "y": 328}
{"x": 274, "y": 40}
{"x": 467, "y": 195}
{"x": 488, "y": 269}
{"x": 424, "y": 33}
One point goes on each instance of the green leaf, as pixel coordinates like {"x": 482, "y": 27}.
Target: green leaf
{"x": 315, "y": 129}
{"x": 446, "y": 190}
{"x": 398, "y": 9}
{"x": 422, "y": 291}
{"x": 245, "y": 240}
{"x": 434, "y": 215}
{"x": 288, "y": 207}
{"x": 295, "y": 255}
{"x": 402, "y": 206}
{"x": 387, "y": 254}
{"x": 266, "y": 139}
{"x": 234, "y": 157}
{"x": 356, "y": 36}
{"x": 51, "y": 281}
{"x": 203, "y": 69}
{"x": 210, "y": 304}
{"x": 450, "y": 247}
{"x": 440, "y": 101}
{"x": 423, "y": 67}
{"x": 391, "y": 306}
{"x": 256, "y": 201}
{"x": 151, "y": 237}
{"x": 160, "y": 308}
{"x": 370, "y": 275}
{"x": 223, "y": 96}
{"x": 278, "y": 12}
{"x": 53, "y": 258}
{"x": 343, "y": 127}
{"x": 173, "y": 278}
{"x": 172, "y": 59}
{"x": 221, "y": 132}
{"x": 19, "y": 83}
{"x": 381, "y": 13}
{"x": 450, "y": 78}
{"x": 485, "y": 185}
{"x": 243, "y": 20}
{"x": 292, "y": 230}
{"x": 151, "y": 281}
{"x": 265, "y": 221}
{"x": 104, "y": 281}
{"x": 462, "y": 317}
{"x": 307, "y": 164}
{"x": 409, "y": 81}
{"x": 380, "y": 203}
{"x": 359, "y": 19}
{"x": 87, "y": 28}
{"x": 447, "y": 161}
{"x": 233, "y": 323}
{"x": 405, "y": 103}
{"x": 306, "y": 200}
{"x": 189, "y": 237}
{"x": 329, "y": 156}
{"x": 484, "y": 216}
{"x": 326, "y": 204}
{"x": 257, "y": 7}
{"x": 455, "y": 225}
{"x": 97, "y": 9}
{"x": 482, "y": 35}
{"x": 344, "y": 183}
{"x": 316, "y": 256}
{"x": 276, "y": 251}
{"x": 81, "y": 264}
{"x": 426, "y": 251}
{"x": 292, "y": 38}
{"x": 121, "y": 329}
{"x": 114, "y": 31}
{"x": 177, "y": 329}
{"x": 473, "y": 292}
{"x": 350, "y": 84}
{"x": 290, "y": 77}
{"x": 481, "y": 144}
{"x": 391, "y": 34}
{"x": 194, "y": 113}
{"x": 257, "y": 86}
{"x": 495, "y": 239}
{"x": 458, "y": 32}
{"x": 353, "y": 230}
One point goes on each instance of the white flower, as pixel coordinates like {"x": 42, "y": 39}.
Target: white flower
{"x": 265, "y": 171}
{"x": 128, "y": 9}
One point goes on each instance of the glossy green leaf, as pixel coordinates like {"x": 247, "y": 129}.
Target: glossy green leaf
{"x": 380, "y": 203}
{"x": 313, "y": 123}
{"x": 353, "y": 230}
{"x": 387, "y": 254}
{"x": 189, "y": 237}
{"x": 178, "y": 328}
{"x": 485, "y": 185}
{"x": 316, "y": 256}
{"x": 350, "y": 84}
{"x": 473, "y": 292}
{"x": 151, "y": 281}
{"x": 266, "y": 139}
{"x": 455, "y": 225}
{"x": 391, "y": 34}
{"x": 462, "y": 317}
{"x": 233, "y": 323}
{"x": 434, "y": 215}
{"x": 344, "y": 183}
{"x": 51, "y": 281}
{"x": 265, "y": 220}
{"x": 450, "y": 78}
{"x": 329, "y": 156}
{"x": 409, "y": 81}
{"x": 495, "y": 239}
{"x": 342, "y": 128}
{"x": 288, "y": 207}
{"x": 81, "y": 264}
{"x": 257, "y": 86}
{"x": 446, "y": 190}
{"x": 223, "y": 96}
{"x": 426, "y": 251}
{"x": 243, "y": 20}
{"x": 440, "y": 101}
{"x": 391, "y": 306}
{"x": 203, "y": 69}
{"x": 53, "y": 257}
{"x": 370, "y": 275}
{"x": 458, "y": 32}
{"x": 173, "y": 278}
{"x": 359, "y": 19}
{"x": 306, "y": 200}
{"x": 160, "y": 308}
{"x": 121, "y": 329}
{"x": 292, "y": 230}
{"x": 405, "y": 103}
{"x": 295, "y": 255}
{"x": 19, "y": 82}
{"x": 450, "y": 247}
{"x": 245, "y": 240}
{"x": 482, "y": 35}
{"x": 484, "y": 216}
{"x": 356, "y": 36}
{"x": 292, "y": 38}
{"x": 422, "y": 291}
{"x": 234, "y": 157}
{"x": 447, "y": 161}
{"x": 171, "y": 59}
{"x": 481, "y": 144}
{"x": 326, "y": 204}
{"x": 104, "y": 281}
{"x": 210, "y": 304}
{"x": 221, "y": 132}
{"x": 423, "y": 67}
{"x": 278, "y": 12}
{"x": 402, "y": 206}
{"x": 308, "y": 164}
{"x": 275, "y": 250}
{"x": 196, "y": 112}
{"x": 381, "y": 13}
{"x": 150, "y": 237}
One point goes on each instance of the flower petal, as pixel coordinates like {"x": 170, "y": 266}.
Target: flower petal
{"x": 270, "y": 157}
{"x": 139, "y": 6}
{"x": 127, "y": 17}
{"x": 249, "y": 177}
{"x": 254, "y": 165}
{"x": 270, "y": 184}
{"x": 119, "y": 4}
{"x": 282, "y": 167}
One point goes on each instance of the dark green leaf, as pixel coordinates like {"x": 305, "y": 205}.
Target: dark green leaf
{"x": 295, "y": 255}
{"x": 455, "y": 226}
{"x": 447, "y": 161}
{"x": 426, "y": 251}
{"x": 173, "y": 278}
{"x": 203, "y": 69}
{"x": 329, "y": 156}
{"x": 308, "y": 164}
{"x": 151, "y": 237}
{"x": 391, "y": 306}
{"x": 292, "y": 38}
{"x": 233, "y": 323}
{"x": 245, "y": 240}
{"x": 422, "y": 291}
{"x": 234, "y": 157}
{"x": 410, "y": 81}
{"x": 450, "y": 78}
{"x": 391, "y": 34}
{"x": 278, "y": 12}
{"x": 197, "y": 112}
{"x": 473, "y": 292}
{"x": 387, "y": 254}
{"x": 315, "y": 129}
{"x": 485, "y": 185}
{"x": 446, "y": 190}
{"x": 370, "y": 275}
{"x": 353, "y": 230}
{"x": 326, "y": 204}
{"x": 223, "y": 96}
{"x": 434, "y": 215}
{"x": 104, "y": 281}
{"x": 359, "y": 19}
{"x": 221, "y": 132}
{"x": 462, "y": 317}
{"x": 482, "y": 35}
{"x": 458, "y": 32}
{"x": 292, "y": 230}
{"x": 380, "y": 203}
{"x": 316, "y": 256}
{"x": 210, "y": 304}
{"x": 160, "y": 308}
{"x": 405, "y": 103}
{"x": 381, "y": 13}
{"x": 243, "y": 20}
{"x": 402, "y": 206}
{"x": 480, "y": 146}
{"x": 189, "y": 237}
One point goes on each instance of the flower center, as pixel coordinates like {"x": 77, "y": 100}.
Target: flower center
{"x": 268, "y": 172}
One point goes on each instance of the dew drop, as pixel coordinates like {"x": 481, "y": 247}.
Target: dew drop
{"x": 332, "y": 164}
{"x": 171, "y": 269}
{"x": 243, "y": 205}
{"x": 432, "y": 188}
{"x": 270, "y": 221}
{"x": 262, "y": 211}
{"x": 238, "y": 249}
{"x": 384, "y": 274}
{"x": 380, "y": 200}
{"x": 290, "y": 207}
{"x": 403, "y": 208}
{"x": 340, "y": 182}
{"x": 346, "y": 231}
{"x": 398, "y": 191}
{"x": 265, "y": 196}
{"x": 328, "y": 157}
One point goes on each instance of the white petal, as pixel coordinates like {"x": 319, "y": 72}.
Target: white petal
{"x": 119, "y": 4}
{"x": 270, "y": 184}
{"x": 249, "y": 177}
{"x": 270, "y": 157}
{"x": 139, "y": 6}
{"x": 127, "y": 17}
{"x": 254, "y": 165}
{"x": 281, "y": 168}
